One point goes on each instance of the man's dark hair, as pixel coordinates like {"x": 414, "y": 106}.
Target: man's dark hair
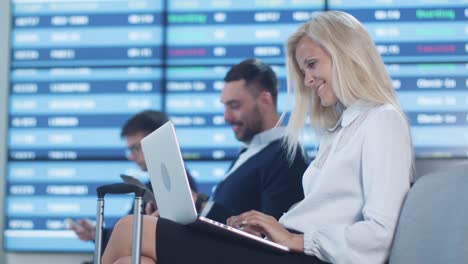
{"x": 146, "y": 121}
{"x": 258, "y": 76}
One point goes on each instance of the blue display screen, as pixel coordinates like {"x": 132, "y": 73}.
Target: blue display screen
{"x": 79, "y": 69}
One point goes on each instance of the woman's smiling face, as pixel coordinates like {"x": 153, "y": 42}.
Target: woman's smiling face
{"x": 316, "y": 66}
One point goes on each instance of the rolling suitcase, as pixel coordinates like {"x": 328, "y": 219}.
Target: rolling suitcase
{"x": 120, "y": 188}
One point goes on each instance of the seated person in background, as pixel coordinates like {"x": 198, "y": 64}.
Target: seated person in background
{"x": 134, "y": 130}
{"x": 261, "y": 178}
{"x": 355, "y": 187}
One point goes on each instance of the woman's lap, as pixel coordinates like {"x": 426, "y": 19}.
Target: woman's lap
{"x": 177, "y": 243}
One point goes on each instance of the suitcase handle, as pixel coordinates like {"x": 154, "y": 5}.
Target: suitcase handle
{"x": 120, "y": 188}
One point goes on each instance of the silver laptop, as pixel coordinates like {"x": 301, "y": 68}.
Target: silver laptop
{"x": 172, "y": 191}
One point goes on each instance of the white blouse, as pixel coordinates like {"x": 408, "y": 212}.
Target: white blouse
{"x": 355, "y": 187}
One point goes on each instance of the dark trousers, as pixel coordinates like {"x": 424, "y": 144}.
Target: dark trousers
{"x": 183, "y": 244}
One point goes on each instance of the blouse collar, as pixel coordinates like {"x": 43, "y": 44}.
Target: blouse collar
{"x": 349, "y": 114}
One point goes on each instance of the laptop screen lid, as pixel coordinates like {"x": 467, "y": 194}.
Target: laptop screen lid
{"x": 171, "y": 187}
{"x": 166, "y": 170}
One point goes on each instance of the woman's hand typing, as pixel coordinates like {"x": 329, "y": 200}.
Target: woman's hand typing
{"x": 260, "y": 224}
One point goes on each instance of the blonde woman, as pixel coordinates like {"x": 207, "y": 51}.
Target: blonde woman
{"x": 355, "y": 187}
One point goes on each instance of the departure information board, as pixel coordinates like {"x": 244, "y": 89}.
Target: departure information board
{"x": 80, "y": 69}
{"x": 74, "y": 33}
{"x": 435, "y": 98}
{"x": 413, "y": 31}
{"x": 223, "y": 32}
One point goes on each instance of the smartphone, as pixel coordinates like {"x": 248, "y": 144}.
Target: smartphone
{"x": 148, "y": 196}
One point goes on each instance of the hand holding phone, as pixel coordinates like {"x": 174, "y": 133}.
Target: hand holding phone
{"x": 148, "y": 197}
{"x": 83, "y": 228}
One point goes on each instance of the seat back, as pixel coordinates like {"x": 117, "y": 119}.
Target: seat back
{"x": 433, "y": 225}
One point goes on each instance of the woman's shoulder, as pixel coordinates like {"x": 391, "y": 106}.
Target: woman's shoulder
{"x": 384, "y": 114}
{"x": 385, "y": 109}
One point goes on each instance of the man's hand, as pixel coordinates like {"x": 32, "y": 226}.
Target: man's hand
{"x": 83, "y": 228}
{"x": 194, "y": 196}
{"x": 199, "y": 204}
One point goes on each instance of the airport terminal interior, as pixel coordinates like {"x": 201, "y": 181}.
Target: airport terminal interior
{"x": 73, "y": 71}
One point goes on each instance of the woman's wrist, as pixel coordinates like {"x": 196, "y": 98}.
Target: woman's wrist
{"x": 297, "y": 243}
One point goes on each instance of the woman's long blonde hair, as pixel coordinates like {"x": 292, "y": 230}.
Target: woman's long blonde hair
{"x": 358, "y": 72}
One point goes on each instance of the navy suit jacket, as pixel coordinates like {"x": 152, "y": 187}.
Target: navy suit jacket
{"x": 266, "y": 182}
